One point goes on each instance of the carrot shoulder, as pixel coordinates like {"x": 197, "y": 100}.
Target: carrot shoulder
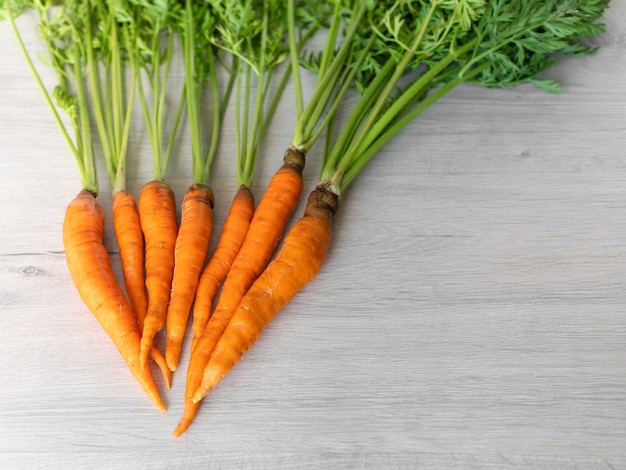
{"x": 234, "y": 231}
{"x": 157, "y": 211}
{"x": 129, "y": 237}
{"x": 192, "y": 245}
{"x": 91, "y": 271}
{"x": 297, "y": 262}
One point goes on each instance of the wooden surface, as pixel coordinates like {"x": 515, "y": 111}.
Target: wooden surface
{"x": 471, "y": 314}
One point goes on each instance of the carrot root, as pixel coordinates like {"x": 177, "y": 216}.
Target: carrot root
{"x": 192, "y": 245}
{"x": 90, "y": 267}
{"x": 157, "y": 211}
{"x": 298, "y": 261}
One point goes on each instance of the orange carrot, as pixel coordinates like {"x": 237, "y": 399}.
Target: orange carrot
{"x": 233, "y": 234}
{"x": 129, "y": 237}
{"x": 192, "y": 245}
{"x": 297, "y": 262}
{"x": 157, "y": 211}
{"x": 130, "y": 241}
{"x": 268, "y": 223}
{"x": 91, "y": 271}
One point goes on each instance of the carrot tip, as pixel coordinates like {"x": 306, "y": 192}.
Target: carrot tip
{"x": 182, "y": 426}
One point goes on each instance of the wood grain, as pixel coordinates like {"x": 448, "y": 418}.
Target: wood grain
{"x": 471, "y": 313}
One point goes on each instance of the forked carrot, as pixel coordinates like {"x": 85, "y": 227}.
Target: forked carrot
{"x": 157, "y": 211}
{"x": 91, "y": 271}
{"x": 234, "y": 231}
{"x": 298, "y": 261}
{"x": 130, "y": 241}
{"x": 192, "y": 245}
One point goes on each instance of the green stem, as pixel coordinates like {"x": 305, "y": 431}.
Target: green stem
{"x": 96, "y": 91}
{"x": 175, "y": 126}
{"x": 217, "y": 112}
{"x": 381, "y": 101}
{"x": 332, "y": 66}
{"x": 89, "y": 178}
{"x": 68, "y": 140}
{"x": 293, "y": 54}
{"x": 382, "y": 121}
{"x": 120, "y": 177}
{"x": 342, "y": 179}
{"x": 200, "y": 172}
{"x": 374, "y": 89}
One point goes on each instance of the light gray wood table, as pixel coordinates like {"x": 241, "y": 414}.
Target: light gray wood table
{"x": 471, "y": 313}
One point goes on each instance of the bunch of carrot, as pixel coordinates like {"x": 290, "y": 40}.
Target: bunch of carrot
{"x": 401, "y": 57}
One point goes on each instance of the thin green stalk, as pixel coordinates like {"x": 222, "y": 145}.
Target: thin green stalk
{"x": 293, "y": 53}
{"x": 118, "y": 93}
{"x": 200, "y": 173}
{"x": 78, "y": 158}
{"x": 89, "y": 179}
{"x": 346, "y": 81}
{"x": 325, "y": 83}
{"x": 238, "y": 130}
{"x": 401, "y": 67}
{"x": 217, "y": 112}
{"x": 416, "y": 89}
{"x": 257, "y": 126}
{"x": 331, "y": 41}
{"x": 232, "y": 79}
{"x": 343, "y": 179}
{"x": 172, "y": 138}
{"x": 158, "y": 101}
{"x": 96, "y": 89}
{"x": 246, "y": 115}
{"x": 271, "y": 110}
{"x": 373, "y": 90}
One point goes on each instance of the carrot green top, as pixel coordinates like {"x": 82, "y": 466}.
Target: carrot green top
{"x": 255, "y": 35}
{"x": 150, "y": 54}
{"x": 435, "y": 45}
{"x": 62, "y": 29}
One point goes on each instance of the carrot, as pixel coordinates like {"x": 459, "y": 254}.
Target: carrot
{"x": 298, "y": 261}
{"x": 150, "y": 49}
{"x": 91, "y": 271}
{"x": 192, "y": 244}
{"x": 129, "y": 237}
{"x": 233, "y": 234}
{"x": 157, "y": 213}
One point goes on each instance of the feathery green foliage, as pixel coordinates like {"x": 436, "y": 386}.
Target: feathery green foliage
{"x": 423, "y": 49}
